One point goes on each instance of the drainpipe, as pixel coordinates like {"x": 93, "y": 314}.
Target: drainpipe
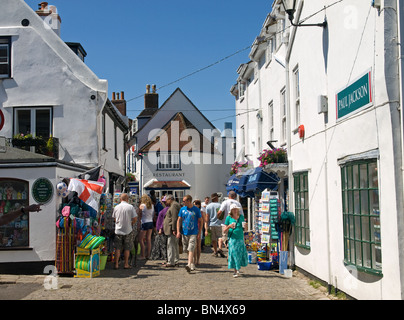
{"x": 288, "y": 119}
{"x": 394, "y": 23}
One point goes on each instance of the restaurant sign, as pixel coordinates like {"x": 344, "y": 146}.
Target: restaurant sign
{"x": 355, "y": 96}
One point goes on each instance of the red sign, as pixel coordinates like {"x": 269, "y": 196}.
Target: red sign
{"x": 1, "y": 119}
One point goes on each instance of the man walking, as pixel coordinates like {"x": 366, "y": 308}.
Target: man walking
{"x": 215, "y": 225}
{"x": 125, "y": 217}
{"x": 190, "y": 219}
{"x": 170, "y": 230}
{"x": 225, "y": 206}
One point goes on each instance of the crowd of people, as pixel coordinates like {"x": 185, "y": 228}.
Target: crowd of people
{"x": 180, "y": 229}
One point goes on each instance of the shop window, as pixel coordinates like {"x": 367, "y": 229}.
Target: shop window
{"x": 14, "y": 194}
{"x": 5, "y": 57}
{"x": 178, "y": 194}
{"x": 361, "y": 215}
{"x": 302, "y": 214}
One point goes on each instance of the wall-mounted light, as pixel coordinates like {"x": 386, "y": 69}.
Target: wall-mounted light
{"x": 290, "y": 8}
{"x": 269, "y": 143}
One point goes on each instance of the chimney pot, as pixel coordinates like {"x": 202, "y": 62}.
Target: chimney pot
{"x": 43, "y": 5}
{"x": 147, "y": 88}
{"x": 154, "y": 88}
{"x": 113, "y": 95}
{"x": 122, "y": 95}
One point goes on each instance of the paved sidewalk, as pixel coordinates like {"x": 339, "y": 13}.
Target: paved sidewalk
{"x": 212, "y": 280}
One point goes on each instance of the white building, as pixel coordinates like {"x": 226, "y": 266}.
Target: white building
{"x": 332, "y": 97}
{"x": 176, "y": 150}
{"x": 47, "y": 90}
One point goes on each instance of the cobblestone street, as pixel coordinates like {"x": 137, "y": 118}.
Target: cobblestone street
{"x": 212, "y": 280}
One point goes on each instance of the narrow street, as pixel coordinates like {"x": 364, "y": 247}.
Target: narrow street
{"x": 212, "y": 280}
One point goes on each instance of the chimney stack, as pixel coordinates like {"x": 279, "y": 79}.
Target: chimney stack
{"x": 50, "y": 17}
{"x": 119, "y": 102}
{"x": 151, "y": 100}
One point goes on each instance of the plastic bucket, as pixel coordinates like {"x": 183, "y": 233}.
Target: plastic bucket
{"x": 287, "y": 273}
{"x": 103, "y": 261}
{"x": 252, "y": 257}
{"x": 264, "y": 265}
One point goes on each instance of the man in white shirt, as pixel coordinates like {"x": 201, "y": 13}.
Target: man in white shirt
{"x": 125, "y": 217}
{"x": 225, "y": 206}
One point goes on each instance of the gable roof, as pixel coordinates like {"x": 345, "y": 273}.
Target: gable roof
{"x": 176, "y": 91}
{"x": 12, "y": 13}
{"x": 190, "y": 144}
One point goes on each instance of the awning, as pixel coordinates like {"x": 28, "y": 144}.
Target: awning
{"x": 260, "y": 180}
{"x": 165, "y": 185}
{"x": 241, "y": 188}
{"x": 232, "y": 184}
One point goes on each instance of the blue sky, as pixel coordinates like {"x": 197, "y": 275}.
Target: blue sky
{"x": 132, "y": 43}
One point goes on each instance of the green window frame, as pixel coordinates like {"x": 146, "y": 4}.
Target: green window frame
{"x": 302, "y": 213}
{"x": 361, "y": 215}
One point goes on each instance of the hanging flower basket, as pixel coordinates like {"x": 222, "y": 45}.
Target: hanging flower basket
{"x": 269, "y": 156}
{"x": 130, "y": 177}
{"x": 236, "y": 166}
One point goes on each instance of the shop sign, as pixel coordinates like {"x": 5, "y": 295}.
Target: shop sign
{"x": 252, "y": 178}
{"x": 355, "y": 96}
{"x": 42, "y": 190}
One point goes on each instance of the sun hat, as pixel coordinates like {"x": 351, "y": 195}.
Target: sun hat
{"x": 234, "y": 206}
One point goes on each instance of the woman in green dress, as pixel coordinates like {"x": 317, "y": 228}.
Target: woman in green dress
{"x": 234, "y": 227}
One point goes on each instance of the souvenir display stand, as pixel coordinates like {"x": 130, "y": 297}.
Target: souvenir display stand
{"x": 76, "y": 223}
{"x": 87, "y": 257}
{"x": 263, "y": 243}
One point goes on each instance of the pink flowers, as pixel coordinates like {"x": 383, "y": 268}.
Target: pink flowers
{"x": 236, "y": 166}
{"x": 269, "y": 156}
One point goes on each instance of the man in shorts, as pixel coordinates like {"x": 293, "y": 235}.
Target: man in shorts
{"x": 125, "y": 217}
{"x": 215, "y": 225}
{"x": 190, "y": 219}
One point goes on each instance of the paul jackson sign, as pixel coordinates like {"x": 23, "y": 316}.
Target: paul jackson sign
{"x": 355, "y": 96}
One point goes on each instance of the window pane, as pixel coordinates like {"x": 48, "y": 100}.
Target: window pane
{"x": 23, "y": 121}
{"x": 3, "y": 53}
{"x": 349, "y": 177}
{"x": 367, "y": 256}
{"x": 364, "y": 202}
{"x": 43, "y": 123}
{"x": 363, "y": 176}
{"x": 4, "y": 70}
{"x": 365, "y": 228}
{"x": 356, "y": 201}
{"x": 16, "y": 232}
{"x": 355, "y": 177}
{"x": 373, "y": 182}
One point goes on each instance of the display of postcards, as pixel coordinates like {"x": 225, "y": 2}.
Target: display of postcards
{"x": 273, "y": 201}
{"x": 265, "y": 227}
{"x": 265, "y": 196}
{"x": 265, "y": 238}
{"x": 265, "y": 217}
{"x": 265, "y": 207}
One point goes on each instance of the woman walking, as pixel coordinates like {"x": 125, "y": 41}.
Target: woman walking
{"x": 238, "y": 256}
{"x": 146, "y": 229}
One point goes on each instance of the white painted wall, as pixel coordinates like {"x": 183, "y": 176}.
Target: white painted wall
{"x": 328, "y": 60}
{"x": 46, "y": 72}
{"x": 42, "y": 227}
